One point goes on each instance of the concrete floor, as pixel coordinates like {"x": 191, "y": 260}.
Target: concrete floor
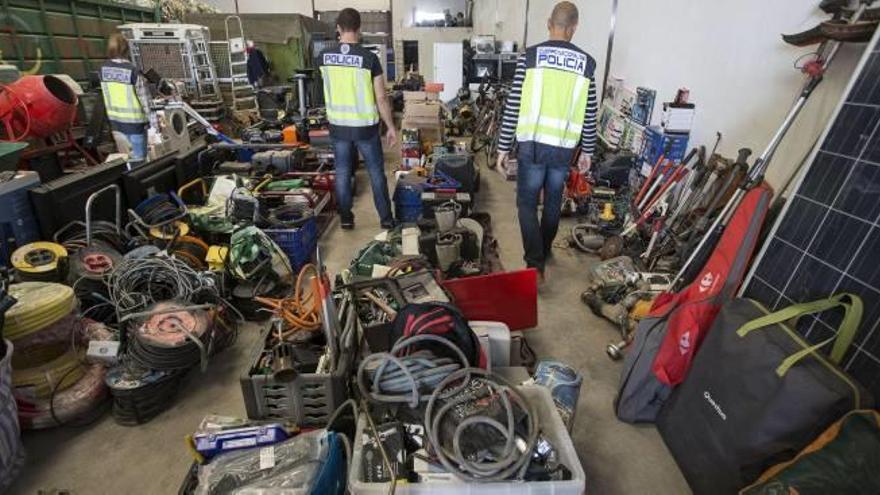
{"x": 618, "y": 458}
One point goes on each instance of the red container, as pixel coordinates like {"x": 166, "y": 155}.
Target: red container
{"x": 36, "y": 106}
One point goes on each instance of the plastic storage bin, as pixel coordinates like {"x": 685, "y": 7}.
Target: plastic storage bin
{"x": 309, "y": 400}
{"x": 298, "y": 244}
{"x": 551, "y": 426}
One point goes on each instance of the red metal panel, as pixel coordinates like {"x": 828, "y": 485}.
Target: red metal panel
{"x": 508, "y": 297}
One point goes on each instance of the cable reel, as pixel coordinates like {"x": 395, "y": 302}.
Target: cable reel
{"x": 40, "y": 262}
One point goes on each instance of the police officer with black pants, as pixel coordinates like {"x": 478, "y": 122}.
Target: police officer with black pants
{"x": 354, "y": 94}
{"x": 551, "y": 111}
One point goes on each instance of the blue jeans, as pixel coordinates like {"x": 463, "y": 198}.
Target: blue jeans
{"x": 371, "y": 150}
{"x": 532, "y": 177}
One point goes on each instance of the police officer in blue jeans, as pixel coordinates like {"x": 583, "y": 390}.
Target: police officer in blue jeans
{"x": 354, "y": 93}
{"x": 551, "y": 111}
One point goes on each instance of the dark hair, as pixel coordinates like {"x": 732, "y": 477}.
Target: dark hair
{"x": 349, "y": 20}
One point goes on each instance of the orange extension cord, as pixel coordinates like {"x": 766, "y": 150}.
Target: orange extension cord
{"x": 302, "y": 310}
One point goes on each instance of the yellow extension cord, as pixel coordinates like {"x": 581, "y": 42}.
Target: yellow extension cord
{"x": 39, "y": 305}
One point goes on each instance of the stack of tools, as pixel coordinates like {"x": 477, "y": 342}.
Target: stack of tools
{"x": 52, "y": 383}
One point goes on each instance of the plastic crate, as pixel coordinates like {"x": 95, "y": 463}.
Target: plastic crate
{"x": 298, "y": 244}
{"x": 656, "y": 143}
{"x": 551, "y": 426}
{"x": 309, "y": 400}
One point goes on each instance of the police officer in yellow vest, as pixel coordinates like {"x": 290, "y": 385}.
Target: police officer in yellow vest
{"x": 126, "y": 100}
{"x": 551, "y": 112}
{"x": 354, "y": 94}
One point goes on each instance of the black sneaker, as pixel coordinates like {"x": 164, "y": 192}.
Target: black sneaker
{"x": 388, "y": 225}
{"x": 347, "y": 224}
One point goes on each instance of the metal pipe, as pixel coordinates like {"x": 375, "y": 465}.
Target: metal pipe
{"x": 610, "y": 46}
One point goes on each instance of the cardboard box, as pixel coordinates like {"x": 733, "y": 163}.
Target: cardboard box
{"x": 422, "y": 110}
{"x": 420, "y": 96}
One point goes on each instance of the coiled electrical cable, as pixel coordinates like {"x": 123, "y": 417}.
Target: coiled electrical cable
{"x": 140, "y": 395}
{"x": 39, "y": 375}
{"x": 137, "y": 283}
{"x": 39, "y": 305}
{"x": 302, "y": 310}
{"x": 407, "y": 378}
{"x": 290, "y": 215}
{"x": 40, "y": 262}
{"x": 510, "y": 461}
{"x": 174, "y": 337}
{"x": 159, "y": 209}
{"x": 73, "y": 236}
{"x": 191, "y": 250}
{"x": 63, "y": 406}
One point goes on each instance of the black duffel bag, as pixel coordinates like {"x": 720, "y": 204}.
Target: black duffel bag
{"x": 756, "y": 394}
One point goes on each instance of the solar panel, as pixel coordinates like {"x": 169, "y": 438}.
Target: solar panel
{"x": 827, "y": 239}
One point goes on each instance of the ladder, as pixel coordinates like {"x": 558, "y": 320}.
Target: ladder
{"x": 243, "y": 96}
{"x": 204, "y": 76}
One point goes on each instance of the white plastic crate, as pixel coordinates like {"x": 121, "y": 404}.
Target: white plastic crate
{"x": 550, "y": 425}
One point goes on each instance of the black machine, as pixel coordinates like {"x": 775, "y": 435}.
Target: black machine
{"x": 149, "y": 179}
{"x": 61, "y": 201}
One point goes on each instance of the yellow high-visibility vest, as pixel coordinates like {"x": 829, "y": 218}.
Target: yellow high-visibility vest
{"x": 348, "y": 91}
{"x": 554, "y": 98}
{"x": 120, "y": 98}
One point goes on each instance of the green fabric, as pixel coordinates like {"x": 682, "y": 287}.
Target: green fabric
{"x": 846, "y": 332}
{"x": 849, "y": 463}
{"x": 286, "y": 59}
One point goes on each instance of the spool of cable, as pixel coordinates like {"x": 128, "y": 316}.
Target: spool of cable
{"x": 39, "y": 305}
{"x": 191, "y": 250}
{"x": 159, "y": 209}
{"x": 169, "y": 231}
{"x": 140, "y": 395}
{"x": 172, "y": 338}
{"x": 73, "y": 236}
{"x": 67, "y": 405}
{"x": 290, "y": 215}
{"x": 40, "y": 262}
{"x": 94, "y": 262}
{"x": 39, "y": 380}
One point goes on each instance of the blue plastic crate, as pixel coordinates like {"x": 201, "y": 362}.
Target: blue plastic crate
{"x": 656, "y": 142}
{"x": 298, "y": 244}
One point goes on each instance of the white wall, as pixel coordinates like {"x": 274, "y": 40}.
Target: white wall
{"x": 740, "y": 73}
{"x": 303, "y": 7}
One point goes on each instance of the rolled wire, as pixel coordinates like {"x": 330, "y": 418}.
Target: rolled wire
{"x": 512, "y": 461}
{"x": 302, "y": 310}
{"x": 406, "y": 378}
